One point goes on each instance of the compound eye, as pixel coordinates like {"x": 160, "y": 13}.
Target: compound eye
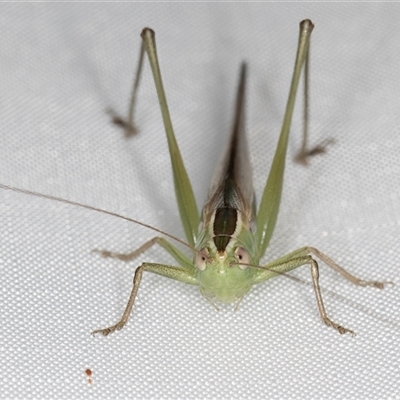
{"x": 243, "y": 257}
{"x": 201, "y": 260}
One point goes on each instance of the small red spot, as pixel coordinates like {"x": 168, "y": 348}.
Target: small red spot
{"x": 88, "y": 373}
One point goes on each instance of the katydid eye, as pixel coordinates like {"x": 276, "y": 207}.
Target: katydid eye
{"x": 243, "y": 257}
{"x": 201, "y": 260}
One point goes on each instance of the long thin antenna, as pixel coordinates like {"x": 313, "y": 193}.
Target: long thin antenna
{"x": 74, "y": 203}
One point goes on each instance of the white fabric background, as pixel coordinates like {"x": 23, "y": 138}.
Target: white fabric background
{"x": 61, "y": 66}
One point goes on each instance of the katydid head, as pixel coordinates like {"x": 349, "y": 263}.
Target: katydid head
{"x": 223, "y": 275}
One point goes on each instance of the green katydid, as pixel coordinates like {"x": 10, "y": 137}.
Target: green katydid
{"x": 228, "y": 249}
{"x": 230, "y": 238}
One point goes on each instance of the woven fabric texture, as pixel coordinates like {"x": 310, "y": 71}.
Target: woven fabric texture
{"x": 61, "y": 66}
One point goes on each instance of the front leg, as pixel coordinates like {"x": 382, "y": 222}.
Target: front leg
{"x": 290, "y": 262}
{"x": 168, "y": 271}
